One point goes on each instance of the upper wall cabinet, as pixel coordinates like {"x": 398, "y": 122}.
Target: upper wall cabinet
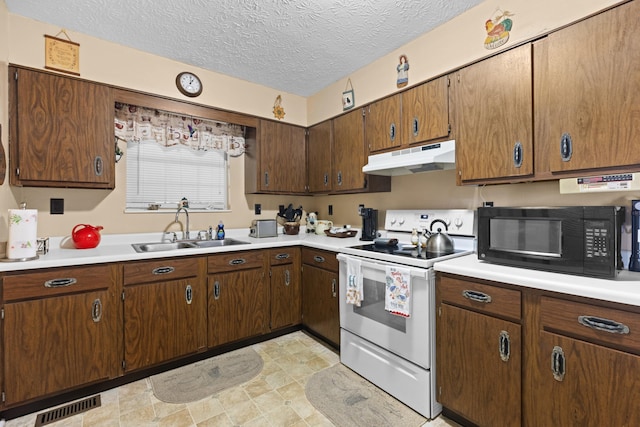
{"x": 275, "y": 163}
{"x": 492, "y": 118}
{"x": 349, "y": 155}
{"x": 61, "y": 131}
{"x": 319, "y": 174}
{"x": 588, "y": 94}
{"x": 417, "y": 115}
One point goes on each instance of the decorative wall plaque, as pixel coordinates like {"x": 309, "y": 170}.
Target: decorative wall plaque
{"x": 61, "y": 55}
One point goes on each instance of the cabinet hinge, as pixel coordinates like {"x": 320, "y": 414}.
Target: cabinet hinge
{"x": 448, "y": 81}
{"x": 3, "y": 397}
{"x": 2, "y": 313}
{"x": 363, "y": 112}
{"x": 449, "y": 129}
{"x": 122, "y": 296}
{"x": 440, "y": 391}
{"x": 269, "y": 273}
{"x": 124, "y": 364}
{"x": 15, "y": 75}
{"x": 17, "y": 171}
{"x": 439, "y": 311}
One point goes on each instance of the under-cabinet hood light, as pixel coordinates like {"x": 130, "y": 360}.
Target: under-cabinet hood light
{"x": 432, "y": 157}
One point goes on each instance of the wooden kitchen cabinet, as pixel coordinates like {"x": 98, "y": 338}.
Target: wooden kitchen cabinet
{"x": 164, "y": 310}
{"x": 278, "y": 158}
{"x": 61, "y": 131}
{"x": 319, "y": 158}
{"x": 238, "y": 297}
{"x": 587, "y": 366}
{"x": 492, "y": 117}
{"x": 418, "y": 115}
{"x": 382, "y": 124}
{"x": 479, "y": 356}
{"x": 320, "y": 304}
{"x": 60, "y": 331}
{"x": 350, "y": 156}
{"x": 588, "y": 89}
{"x": 286, "y": 290}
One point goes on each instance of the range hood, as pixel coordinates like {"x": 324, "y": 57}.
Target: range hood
{"x": 438, "y": 156}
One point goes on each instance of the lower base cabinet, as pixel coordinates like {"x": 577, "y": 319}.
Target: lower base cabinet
{"x": 320, "y": 304}
{"x": 59, "y": 331}
{"x": 164, "y": 311}
{"x": 238, "y": 297}
{"x": 571, "y": 361}
{"x": 285, "y": 298}
{"x": 478, "y": 354}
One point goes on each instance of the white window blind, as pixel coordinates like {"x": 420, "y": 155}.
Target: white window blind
{"x": 165, "y": 175}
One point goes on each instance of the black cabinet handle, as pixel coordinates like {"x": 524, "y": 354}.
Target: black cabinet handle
{"x": 163, "y": 270}
{"x": 605, "y": 325}
{"x": 504, "y": 346}
{"x": 517, "y": 154}
{"x": 60, "y": 283}
{"x": 566, "y": 147}
{"x": 558, "y": 363}
{"x": 477, "y": 296}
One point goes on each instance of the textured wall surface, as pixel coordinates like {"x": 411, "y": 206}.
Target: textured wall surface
{"x": 298, "y": 46}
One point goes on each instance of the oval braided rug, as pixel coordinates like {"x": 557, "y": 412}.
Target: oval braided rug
{"x": 347, "y": 399}
{"x": 207, "y": 377}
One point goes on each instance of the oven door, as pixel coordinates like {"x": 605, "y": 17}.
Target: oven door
{"x": 408, "y": 337}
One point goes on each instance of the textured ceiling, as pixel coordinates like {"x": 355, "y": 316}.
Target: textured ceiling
{"x": 297, "y": 46}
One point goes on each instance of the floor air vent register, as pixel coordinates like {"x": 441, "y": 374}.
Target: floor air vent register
{"x": 67, "y": 411}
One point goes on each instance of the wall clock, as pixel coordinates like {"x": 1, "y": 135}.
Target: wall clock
{"x": 189, "y": 84}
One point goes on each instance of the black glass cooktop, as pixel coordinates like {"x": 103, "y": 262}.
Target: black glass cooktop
{"x": 404, "y": 251}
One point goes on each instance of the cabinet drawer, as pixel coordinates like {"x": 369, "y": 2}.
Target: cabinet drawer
{"x": 57, "y": 282}
{"x": 233, "y": 261}
{"x": 161, "y": 269}
{"x": 283, "y": 256}
{"x": 320, "y": 258}
{"x": 591, "y": 322}
{"x": 480, "y": 297}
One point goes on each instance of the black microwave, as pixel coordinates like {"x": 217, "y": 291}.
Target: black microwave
{"x": 582, "y": 240}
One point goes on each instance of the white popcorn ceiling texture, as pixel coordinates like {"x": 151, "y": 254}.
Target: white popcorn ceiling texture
{"x": 296, "y": 46}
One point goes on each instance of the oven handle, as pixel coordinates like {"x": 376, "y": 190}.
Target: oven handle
{"x": 420, "y": 272}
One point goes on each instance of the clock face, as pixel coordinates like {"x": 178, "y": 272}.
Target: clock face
{"x": 189, "y": 84}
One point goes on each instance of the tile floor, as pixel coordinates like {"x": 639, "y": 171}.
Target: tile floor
{"x": 274, "y": 398}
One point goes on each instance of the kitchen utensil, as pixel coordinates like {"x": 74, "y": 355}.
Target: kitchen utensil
{"x": 86, "y": 236}
{"x": 439, "y": 243}
{"x": 382, "y": 241}
{"x": 290, "y": 214}
{"x": 322, "y": 225}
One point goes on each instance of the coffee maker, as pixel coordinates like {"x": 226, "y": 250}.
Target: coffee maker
{"x": 369, "y": 223}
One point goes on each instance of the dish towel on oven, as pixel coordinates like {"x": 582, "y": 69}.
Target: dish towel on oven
{"x": 397, "y": 298}
{"x": 355, "y": 291}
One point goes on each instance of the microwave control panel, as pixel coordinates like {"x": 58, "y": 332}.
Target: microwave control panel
{"x": 598, "y": 239}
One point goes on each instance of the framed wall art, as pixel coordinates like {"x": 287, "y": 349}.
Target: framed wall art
{"x": 348, "y": 97}
{"x": 61, "y": 55}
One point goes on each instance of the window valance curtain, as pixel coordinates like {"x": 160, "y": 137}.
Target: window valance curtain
{"x": 135, "y": 124}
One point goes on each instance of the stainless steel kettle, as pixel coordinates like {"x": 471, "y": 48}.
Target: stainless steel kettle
{"x": 439, "y": 243}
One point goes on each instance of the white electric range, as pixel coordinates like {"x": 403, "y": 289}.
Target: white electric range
{"x": 396, "y": 352}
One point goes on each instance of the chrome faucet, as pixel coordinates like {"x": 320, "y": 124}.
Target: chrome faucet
{"x": 186, "y": 212}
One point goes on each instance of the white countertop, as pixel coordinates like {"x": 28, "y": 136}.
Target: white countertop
{"x": 625, "y": 289}
{"x": 117, "y": 247}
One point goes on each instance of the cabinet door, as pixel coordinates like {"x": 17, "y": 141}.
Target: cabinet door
{"x": 163, "y": 321}
{"x": 382, "y": 124}
{"x": 319, "y": 158}
{"x": 58, "y": 343}
{"x": 285, "y": 296}
{"x": 348, "y": 152}
{"x": 593, "y": 90}
{"x": 282, "y": 153}
{"x": 238, "y": 306}
{"x": 600, "y": 386}
{"x": 320, "y": 307}
{"x": 62, "y": 131}
{"x": 491, "y": 106}
{"x": 425, "y": 112}
{"x": 479, "y": 366}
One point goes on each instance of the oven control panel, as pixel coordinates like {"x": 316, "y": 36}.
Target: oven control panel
{"x": 460, "y": 222}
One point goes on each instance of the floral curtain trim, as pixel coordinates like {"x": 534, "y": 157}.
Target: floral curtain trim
{"x": 135, "y": 124}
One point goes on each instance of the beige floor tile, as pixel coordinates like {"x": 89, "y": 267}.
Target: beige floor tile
{"x": 269, "y": 401}
{"x": 177, "y": 419}
{"x": 257, "y": 388}
{"x": 141, "y": 417}
{"x": 205, "y": 409}
{"x": 283, "y": 417}
{"x": 243, "y": 412}
{"x": 220, "y": 420}
{"x": 291, "y": 391}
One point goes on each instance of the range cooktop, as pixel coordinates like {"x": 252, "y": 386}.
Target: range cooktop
{"x": 405, "y": 251}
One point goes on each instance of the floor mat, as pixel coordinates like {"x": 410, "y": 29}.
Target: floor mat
{"x": 205, "y": 378}
{"x": 347, "y": 399}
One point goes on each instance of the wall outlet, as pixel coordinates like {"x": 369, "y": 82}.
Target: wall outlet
{"x": 56, "y": 206}
{"x": 257, "y": 208}
{"x": 487, "y": 204}
{"x": 360, "y": 208}
{"x": 330, "y": 209}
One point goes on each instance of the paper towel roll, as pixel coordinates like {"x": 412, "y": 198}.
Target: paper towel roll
{"x": 23, "y": 233}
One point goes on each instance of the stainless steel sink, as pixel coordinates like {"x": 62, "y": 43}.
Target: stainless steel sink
{"x": 186, "y": 244}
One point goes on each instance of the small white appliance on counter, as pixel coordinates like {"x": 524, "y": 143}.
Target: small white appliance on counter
{"x": 394, "y": 346}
